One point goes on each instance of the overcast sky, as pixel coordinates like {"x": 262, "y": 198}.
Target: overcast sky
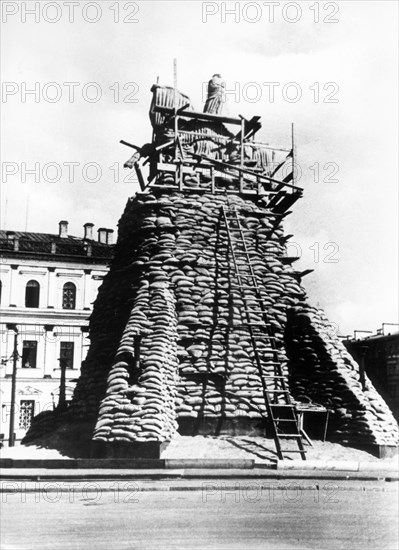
{"x": 334, "y": 65}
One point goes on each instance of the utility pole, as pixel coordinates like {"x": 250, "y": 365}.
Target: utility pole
{"x": 62, "y": 396}
{"x": 13, "y": 384}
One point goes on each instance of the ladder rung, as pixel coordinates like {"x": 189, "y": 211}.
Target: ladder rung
{"x": 253, "y": 311}
{"x": 245, "y": 287}
{"x": 263, "y": 325}
{"x": 247, "y": 280}
{"x": 293, "y": 451}
{"x": 283, "y": 405}
{"x": 256, "y": 299}
{"x": 251, "y": 325}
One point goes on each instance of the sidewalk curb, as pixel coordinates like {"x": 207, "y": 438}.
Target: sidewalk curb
{"x": 195, "y": 464}
{"x": 11, "y": 488}
{"x": 208, "y": 475}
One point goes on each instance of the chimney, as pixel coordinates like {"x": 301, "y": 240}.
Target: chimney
{"x": 12, "y": 238}
{"x": 88, "y": 249}
{"x": 102, "y": 235}
{"x": 88, "y": 231}
{"x": 110, "y": 236}
{"x": 63, "y": 232}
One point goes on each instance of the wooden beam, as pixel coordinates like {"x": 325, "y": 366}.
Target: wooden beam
{"x": 200, "y": 116}
{"x": 130, "y": 145}
{"x": 139, "y": 175}
{"x": 225, "y": 165}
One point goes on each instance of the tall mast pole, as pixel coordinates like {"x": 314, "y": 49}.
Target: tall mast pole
{"x": 293, "y": 154}
{"x": 175, "y": 83}
{"x": 176, "y": 122}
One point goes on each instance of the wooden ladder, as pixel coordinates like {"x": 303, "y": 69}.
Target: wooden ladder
{"x": 281, "y": 411}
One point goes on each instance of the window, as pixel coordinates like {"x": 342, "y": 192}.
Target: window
{"x": 69, "y": 296}
{"x": 32, "y": 294}
{"x": 66, "y": 354}
{"x": 26, "y": 413}
{"x": 29, "y": 353}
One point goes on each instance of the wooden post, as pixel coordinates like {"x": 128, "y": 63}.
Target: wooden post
{"x": 175, "y": 84}
{"x": 293, "y": 154}
{"x": 242, "y": 154}
{"x": 179, "y": 176}
{"x": 176, "y": 123}
{"x": 139, "y": 176}
{"x": 259, "y": 186}
{"x": 212, "y": 180}
{"x": 176, "y": 130}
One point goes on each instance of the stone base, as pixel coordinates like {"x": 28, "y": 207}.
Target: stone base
{"x": 124, "y": 449}
{"x": 314, "y": 425}
{"x": 216, "y": 425}
{"x": 380, "y": 451}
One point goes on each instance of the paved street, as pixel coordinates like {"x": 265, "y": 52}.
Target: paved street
{"x": 275, "y": 515}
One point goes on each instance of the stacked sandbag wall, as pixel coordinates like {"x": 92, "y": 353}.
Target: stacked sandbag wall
{"x": 322, "y": 369}
{"x": 169, "y": 341}
{"x": 177, "y": 243}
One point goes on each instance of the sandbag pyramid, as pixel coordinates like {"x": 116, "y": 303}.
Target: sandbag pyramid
{"x": 170, "y": 351}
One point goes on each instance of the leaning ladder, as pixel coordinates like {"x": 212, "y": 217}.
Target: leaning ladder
{"x": 281, "y": 411}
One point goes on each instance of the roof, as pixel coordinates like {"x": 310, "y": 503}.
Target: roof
{"x": 52, "y": 245}
{"x": 372, "y": 339}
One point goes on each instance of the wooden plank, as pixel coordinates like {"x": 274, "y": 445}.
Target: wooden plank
{"x": 289, "y": 177}
{"x": 139, "y": 176}
{"x": 247, "y": 171}
{"x": 166, "y": 167}
{"x": 200, "y": 116}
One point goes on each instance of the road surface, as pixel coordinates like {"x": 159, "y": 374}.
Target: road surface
{"x": 278, "y": 515}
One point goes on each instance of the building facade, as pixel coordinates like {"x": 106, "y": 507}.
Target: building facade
{"x": 48, "y": 285}
{"x": 379, "y": 356}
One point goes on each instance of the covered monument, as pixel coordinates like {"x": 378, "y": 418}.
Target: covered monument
{"x": 202, "y": 324}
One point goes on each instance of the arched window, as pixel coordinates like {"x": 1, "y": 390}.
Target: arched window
{"x": 32, "y": 294}
{"x": 69, "y": 296}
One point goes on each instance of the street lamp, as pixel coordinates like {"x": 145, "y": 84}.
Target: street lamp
{"x": 11, "y": 439}
{"x": 62, "y": 396}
